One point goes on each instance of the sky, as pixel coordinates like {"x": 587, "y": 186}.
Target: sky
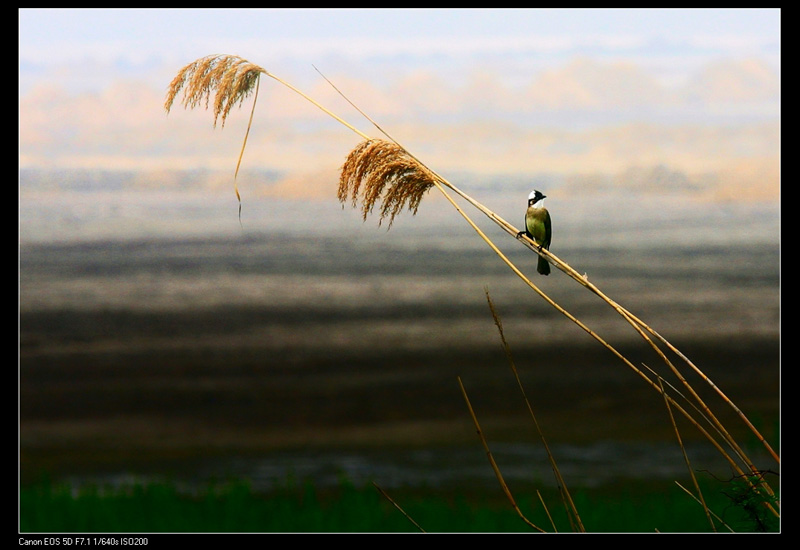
{"x": 61, "y": 34}
{"x": 141, "y": 37}
{"x": 476, "y": 89}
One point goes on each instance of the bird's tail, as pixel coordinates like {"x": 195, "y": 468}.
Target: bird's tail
{"x": 543, "y": 267}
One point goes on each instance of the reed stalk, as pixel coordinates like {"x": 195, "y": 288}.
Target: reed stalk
{"x": 689, "y": 465}
{"x": 382, "y": 173}
{"x": 566, "y": 497}
{"x": 583, "y": 280}
{"x": 492, "y": 461}
{"x": 391, "y": 500}
{"x": 688, "y": 492}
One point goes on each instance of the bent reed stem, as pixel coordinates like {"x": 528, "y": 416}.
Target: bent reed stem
{"x": 634, "y": 321}
{"x": 206, "y": 74}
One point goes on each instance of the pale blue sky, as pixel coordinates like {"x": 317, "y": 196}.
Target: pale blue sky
{"x": 45, "y": 32}
{"x": 136, "y": 38}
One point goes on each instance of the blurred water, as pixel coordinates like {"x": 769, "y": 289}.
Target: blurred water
{"x": 153, "y": 274}
{"x": 154, "y": 251}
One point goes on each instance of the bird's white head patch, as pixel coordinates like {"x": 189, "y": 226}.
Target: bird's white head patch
{"x": 536, "y": 196}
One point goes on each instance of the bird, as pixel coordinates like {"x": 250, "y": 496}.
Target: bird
{"x": 538, "y": 227}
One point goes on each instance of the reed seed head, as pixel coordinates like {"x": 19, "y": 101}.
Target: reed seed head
{"x": 231, "y": 77}
{"x": 382, "y": 172}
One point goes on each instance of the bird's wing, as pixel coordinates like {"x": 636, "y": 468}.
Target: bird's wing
{"x": 548, "y": 231}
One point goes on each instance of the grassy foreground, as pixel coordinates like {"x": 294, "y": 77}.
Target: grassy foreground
{"x": 300, "y": 508}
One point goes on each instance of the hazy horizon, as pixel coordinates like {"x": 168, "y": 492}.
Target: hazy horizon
{"x": 491, "y": 91}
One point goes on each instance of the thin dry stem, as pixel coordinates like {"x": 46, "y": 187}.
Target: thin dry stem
{"x": 387, "y": 497}
{"x": 566, "y": 497}
{"x": 492, "y": 462}
{"x": 547, "y": 511}
{"x": 686, "y": 459}
{"x": 688, "y": 492}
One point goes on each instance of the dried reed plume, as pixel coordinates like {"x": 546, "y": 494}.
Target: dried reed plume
{"x": 382, "y": 171}
{"x": 233, "y": 78}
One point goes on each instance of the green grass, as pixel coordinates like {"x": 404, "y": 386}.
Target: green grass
{"x": 234, "y": 507}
